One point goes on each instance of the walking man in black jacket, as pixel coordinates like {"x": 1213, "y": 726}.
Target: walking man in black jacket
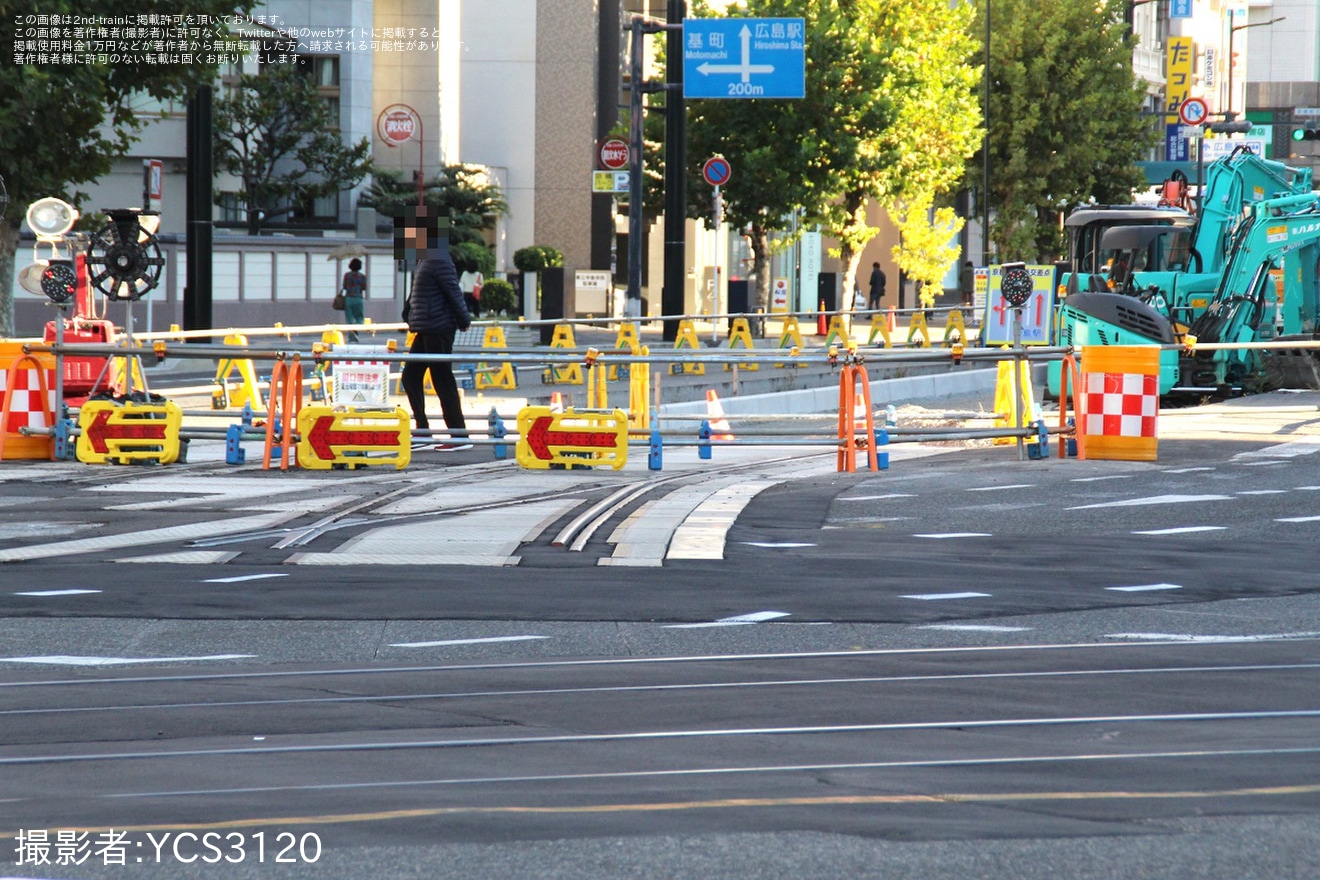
{"x": 436, "y": 312}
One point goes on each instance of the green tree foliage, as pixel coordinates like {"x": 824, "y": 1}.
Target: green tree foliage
{"x": 926, "y": 251}
{"x": 889, "y": 112}
{"x": 1065, "y": 126}
{"x": 52, "y": 136}
{"x": 536, "y": 257}
{"x": 473, "y": 256}
{"x": 283, "y": 144}
{"x": 472, "y": 201}
{"x": 498, "y": 297}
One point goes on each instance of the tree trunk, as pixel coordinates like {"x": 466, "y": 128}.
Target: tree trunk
{"x": 8, "y": 253}
{"x": 761, "y": 267}
{"x": 851, "y": 242}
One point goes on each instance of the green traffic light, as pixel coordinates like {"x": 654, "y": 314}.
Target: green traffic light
{"x": 1299, "y": 134}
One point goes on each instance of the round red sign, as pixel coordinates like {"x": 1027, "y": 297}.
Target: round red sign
{"x": 614, "y": 154}
{"x": 397, "y": 125}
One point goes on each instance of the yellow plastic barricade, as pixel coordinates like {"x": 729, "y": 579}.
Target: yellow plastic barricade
{"x": 918, "y": 328}
{"x": 740, "y": 335}
{"x": 838, "y": 331}
{"x": 571, "y": 439}
{"x": 1120, "y": 402}
{"x": 628, "y": 341}
{"x": 687, "y": 338}
{"x": 247, "y": 391}
{"x": 954, "y": 329}
{"x": 329, "y": 437}
{"x": 502, "y": 376}
{"x": 562, "y": 374}
{"x": 128, "y": 432}
{"x": 880, "y": 327}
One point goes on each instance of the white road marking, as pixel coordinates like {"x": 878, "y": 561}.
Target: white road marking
{"x": 1272, "y": 462}
{"x": 955, "y": 535}
{"x": 56, "y": 592}
{"x": 967, "y": 627}
{"x": 769, "y": 545}
{"x": 935, "y": 597}
{"x": 1291, "y": 449}
{"x": 1187, "y": 470}
{"x": 1264, "y": 492}
{"x": 74, "y": 660}
{"x": 740, "y": 620}
{"x": 876, "y": 497}
{"x": 1098, "y": 479}
{"x": 1187, "y": 637}
{"x": 1185, "y": 530}
{"x": 245, "y": 577}
{"x": 999, "y": 488}
{"x": 1154, "y": 499}
{"x": 467, "y": 641}
{"x": 191, "y": 531}
{"x": 1145, "y": 588}
{"x": 1298, "y": 519}
{"x": 1306, "y": 488}
{"x": 186, "y": 557}
{"x": 702, "y": 534}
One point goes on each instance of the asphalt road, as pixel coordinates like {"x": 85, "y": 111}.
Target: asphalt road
{"x": 966, "y": 665}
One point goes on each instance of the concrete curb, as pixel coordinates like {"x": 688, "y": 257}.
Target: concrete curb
{"x": 818, "y": 400}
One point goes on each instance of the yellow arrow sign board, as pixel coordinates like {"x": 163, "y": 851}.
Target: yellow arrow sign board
{"x": 128, "y": 432}
{"x": 571, "y": 439}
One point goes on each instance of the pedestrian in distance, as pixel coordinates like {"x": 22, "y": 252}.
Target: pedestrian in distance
{"x": 967, "y": 282}
{"x": 877, "y": 287}
{"x": 435, "y": 313}
{"x": 354, "y": 288}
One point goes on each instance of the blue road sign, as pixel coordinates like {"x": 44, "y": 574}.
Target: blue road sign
{"x": 716, "y": 170}
{"x": 1175, "y": 145}
{"x": 744, "y": 58}
{"x": 1180, "y": 8}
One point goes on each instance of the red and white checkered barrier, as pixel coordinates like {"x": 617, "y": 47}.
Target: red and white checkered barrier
{"x": 21, "y": 390}
{"x": 1120, "y": 404}
{"x": 23, "y": 405}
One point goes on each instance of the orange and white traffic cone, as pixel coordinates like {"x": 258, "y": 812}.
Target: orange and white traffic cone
{"x": 893, "y": 319}
{"x": 719, "y": 426}
{"x": 822, "y": 326}
{"x": 556, "y": 401}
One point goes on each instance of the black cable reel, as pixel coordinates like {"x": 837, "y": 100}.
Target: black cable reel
{"x": 124, "y": 258}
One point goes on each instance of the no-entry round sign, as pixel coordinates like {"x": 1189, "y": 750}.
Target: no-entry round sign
{"x": 613, "y": 154}
{"x": 397, "y": 124}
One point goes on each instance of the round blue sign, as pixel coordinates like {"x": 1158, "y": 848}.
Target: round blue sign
{"x": 716, "y": 170}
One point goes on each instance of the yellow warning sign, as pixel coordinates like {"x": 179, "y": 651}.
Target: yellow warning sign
{"x": 128, "y": 432}
{"x": 591, "y": 438}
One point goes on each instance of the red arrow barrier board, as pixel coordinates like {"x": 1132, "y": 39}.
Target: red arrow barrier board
{"x": 328, "y": 437}
{"x": 110, "y": 431}
{"x": 324, "y": 438}
{"x": 572, "y": 439}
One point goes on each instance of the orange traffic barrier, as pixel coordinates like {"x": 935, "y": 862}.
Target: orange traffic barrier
{"x": 719, "y": 425}
{"x": 852, "y": 378}
{"x": 1120, "y": 401}
{"x": 26, "y": 406}
{"x": 1069, "y": 369}
{"x": 286, "y": 398}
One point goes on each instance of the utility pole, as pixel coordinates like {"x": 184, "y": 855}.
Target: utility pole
{"x": 671, "y": 296}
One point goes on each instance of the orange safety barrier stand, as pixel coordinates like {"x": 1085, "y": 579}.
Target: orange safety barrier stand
{"x": 1120, "y": 397}
{"x": 286, "y": 399}
{"x": 21, "y": 446}
{"x": 1066, "y": 370}
{"x": 851, "y": 378}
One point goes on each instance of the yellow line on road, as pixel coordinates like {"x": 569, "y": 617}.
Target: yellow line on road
{"x": 720, "y": 804}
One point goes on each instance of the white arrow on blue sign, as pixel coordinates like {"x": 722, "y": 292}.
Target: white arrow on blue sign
{"x": 744, "y": 58}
